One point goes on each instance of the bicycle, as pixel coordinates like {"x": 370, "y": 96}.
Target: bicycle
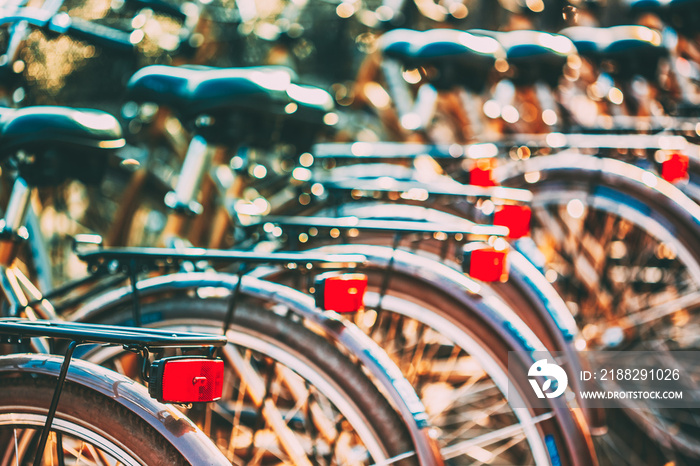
{"x": 538, "y": 169}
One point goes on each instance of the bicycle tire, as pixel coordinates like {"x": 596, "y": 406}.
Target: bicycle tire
{"x": 81, "y": 412}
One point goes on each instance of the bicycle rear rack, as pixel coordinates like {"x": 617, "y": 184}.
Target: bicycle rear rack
{"x": 395, "y": 226}
{"x": 13, "y": 330}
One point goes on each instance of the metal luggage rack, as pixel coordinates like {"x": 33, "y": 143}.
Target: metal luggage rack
{"x": 480, "y": 150}
{"x": 133, "y": 260}
{"x": 16, "y": 330}
{"x": 464, "y": 228}
{"x": 448, "y": 234}
{"x": 428, "y": 189}
{"x": 109, "y": 267}
{"x": 136, "y": 340}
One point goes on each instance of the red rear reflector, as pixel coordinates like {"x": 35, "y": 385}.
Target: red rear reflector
{"x": 486, "y": 264}
{"x": 675, "y": 168}
{"x": 481, "y": 173}
{"x": 516, "y": 218}
{"x": 186, "y": 379}
{"x": 340, "y": 293}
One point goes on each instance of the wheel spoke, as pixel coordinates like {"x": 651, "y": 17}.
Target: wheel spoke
{"x": 256, "y": 390}
{"x": 302, "y": 395}
{"x": 78, "y": 454}
{"x": 467, "y": 426}
{"x": 100, "y": 456}
{"x": 16, "y": 448}
{"x": 236, "y": 428}
{"x": 490, "y": 438}
{"x": 665, "y": 309}
{"x": 457, "y": 394}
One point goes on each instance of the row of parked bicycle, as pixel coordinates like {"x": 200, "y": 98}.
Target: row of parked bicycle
{"x": 308, "y": 301}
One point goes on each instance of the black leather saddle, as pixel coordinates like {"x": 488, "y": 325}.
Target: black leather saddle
{"x": 194, "y": 91}
{"x": 458, "y": 57}
{"x": 533, "y": 55}
{"x": 252, "y": 96}
{"x": 626, "y": 51}
{"x": 58, "y": 142}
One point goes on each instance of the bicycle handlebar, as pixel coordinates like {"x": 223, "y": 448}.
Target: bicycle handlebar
{"x": 81, "y": 29}
{"x": 98, "y": 34}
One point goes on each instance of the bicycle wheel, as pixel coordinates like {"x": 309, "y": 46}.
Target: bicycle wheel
{"x": 454, "y": 351}
{"x": 290, "y": 396}
{"x": 89, "y": 428}
{"x": 626, "y": 261}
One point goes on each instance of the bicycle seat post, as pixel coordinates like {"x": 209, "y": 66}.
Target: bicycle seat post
{"x": 12, "y": 230}
{"x": 183, "y": 201}
{"x": 12, "y": 234}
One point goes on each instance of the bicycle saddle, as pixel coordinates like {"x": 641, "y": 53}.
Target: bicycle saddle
{"x": 636, "y": 50}
{"x": 589, "y": 41}
{"x": 460, "y": 58}
{"x": 63, "y": 142}
{"x": 243, "y": 101}
{"x": 534, "y": 55}
{"x": 192, "y": 91}
{"x": 57, "y": 127}
{"x": 632, "y": 39}
{"x": 630, "y": 50}
{"x": 398, "y": 44}
{"x": 682, "y": 15}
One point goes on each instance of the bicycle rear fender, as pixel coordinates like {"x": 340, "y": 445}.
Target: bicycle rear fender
{"x": 551, "y": 310}
{"x": 623, "y": 176}
{"x": 449, "y": 281}
{"x": 166, "y": 419}
{"x": 399, "y": 390}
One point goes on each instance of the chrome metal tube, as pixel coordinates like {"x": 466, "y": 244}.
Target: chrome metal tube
{"x": 18, "y": 204}
{"x": 398, "y": 88}
{"x": 193, "y": 171}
